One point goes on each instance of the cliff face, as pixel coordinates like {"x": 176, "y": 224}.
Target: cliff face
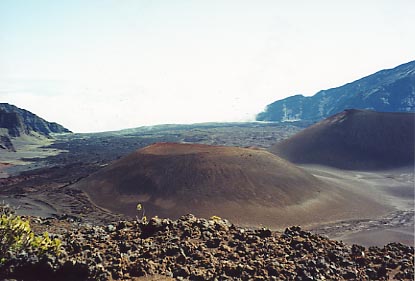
{"x": 33, "y": 122}
{"x": 390, "y": 90}
{"x": 16, "y": 122}
{"x": 13, "y": 123}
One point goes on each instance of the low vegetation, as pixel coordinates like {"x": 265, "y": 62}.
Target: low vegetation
{"x": 17, "y": 238}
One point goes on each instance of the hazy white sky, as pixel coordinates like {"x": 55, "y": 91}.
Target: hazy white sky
{"x": 96, "y": 65}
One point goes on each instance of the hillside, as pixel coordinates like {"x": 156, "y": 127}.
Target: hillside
{"x": 31, "y": 122}
{"x": 247, "y": 186}
{"x": 390, "y": 90}
{"x": 11, "y": 125}
{"x": 354, "y": 139}
{"x": 172, "y": 179}
{"x": 17, "y": 123}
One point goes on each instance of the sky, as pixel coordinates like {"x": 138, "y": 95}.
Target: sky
{"x": 100, "y": 65}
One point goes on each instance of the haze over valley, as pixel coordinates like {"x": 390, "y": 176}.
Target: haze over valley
{"x": 350, "y": 176}
{"x": 207, "y": 141}
{"x": 110, "y": 166}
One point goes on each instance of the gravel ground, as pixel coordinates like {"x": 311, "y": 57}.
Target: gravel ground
{"x": 192, "y": 248}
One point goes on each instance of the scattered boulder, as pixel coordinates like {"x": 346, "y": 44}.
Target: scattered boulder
{"x": 192, "y": 248}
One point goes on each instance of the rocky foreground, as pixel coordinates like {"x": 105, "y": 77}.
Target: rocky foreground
{"x": 192, "y": 248}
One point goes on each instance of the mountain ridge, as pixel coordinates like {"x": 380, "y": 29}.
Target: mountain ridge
{"x": 32, "y": 122}
{"x": 16, "y": 122}
{"x": 388, "y": 90}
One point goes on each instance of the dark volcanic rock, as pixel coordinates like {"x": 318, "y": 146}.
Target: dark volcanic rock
{"x": 6, "y": 143}
{"x": 178, "y": 249}
{"x": 390, "y": 90}
{"x": 16, "y": 122}
{"x": 13, "y": 123}
{"x": 19, "y": 121}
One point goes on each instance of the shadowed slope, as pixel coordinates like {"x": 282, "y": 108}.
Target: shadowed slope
{"x": 388, "y": 90}
{"x": 354, "y": 139}
{"x": 17, "y": 125}
{"x": 244, "y": 185}
{"x": 20, "y": 121}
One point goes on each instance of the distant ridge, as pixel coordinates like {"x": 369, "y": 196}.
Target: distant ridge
{"x": 390, "y": 90}
{"x": 31, "y": 122}
{"x": 354, "y": 139}
{"x": 16, "y": 122}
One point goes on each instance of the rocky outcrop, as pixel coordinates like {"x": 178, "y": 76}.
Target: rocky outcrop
{"x": 193, "y": 248}
{"x": 6, "y": 143}
{"x": 390, "y": 90}
{"x": 16, "y": 122}
{"x": 25, "y": 121}
{"x": 13, "y": 123}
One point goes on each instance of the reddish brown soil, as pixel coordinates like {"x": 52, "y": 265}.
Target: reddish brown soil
{"x": 247, "y": 186}
{"x": 354, "y": 139}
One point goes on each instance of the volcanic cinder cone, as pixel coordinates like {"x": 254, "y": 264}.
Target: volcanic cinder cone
{"x": 247, "y": 186}
{"x": 354, "y": 139}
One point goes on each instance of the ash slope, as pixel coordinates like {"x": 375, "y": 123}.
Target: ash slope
{"x": 391, "y": 90}
{"x": 247, "y": 186}
{"x": 354, "y": 140}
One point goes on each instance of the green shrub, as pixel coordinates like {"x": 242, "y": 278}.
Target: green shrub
{"x": 16, "y": 236}
{"x": 141, "y": 209}
{"x": 215, "y": 218}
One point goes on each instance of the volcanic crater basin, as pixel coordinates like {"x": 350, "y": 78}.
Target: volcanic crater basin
{"x": 251, "y": 187}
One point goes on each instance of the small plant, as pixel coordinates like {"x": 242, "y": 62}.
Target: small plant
{"x": 140, "y": 209}
{"x": 16, "y": 237}
{"x": 215, "y": 218}
{"x": 44, "y": 244}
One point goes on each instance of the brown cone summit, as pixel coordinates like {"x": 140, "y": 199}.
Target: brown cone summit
{"x": 172, "y": 179}
{"x": 354, "y": 139}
